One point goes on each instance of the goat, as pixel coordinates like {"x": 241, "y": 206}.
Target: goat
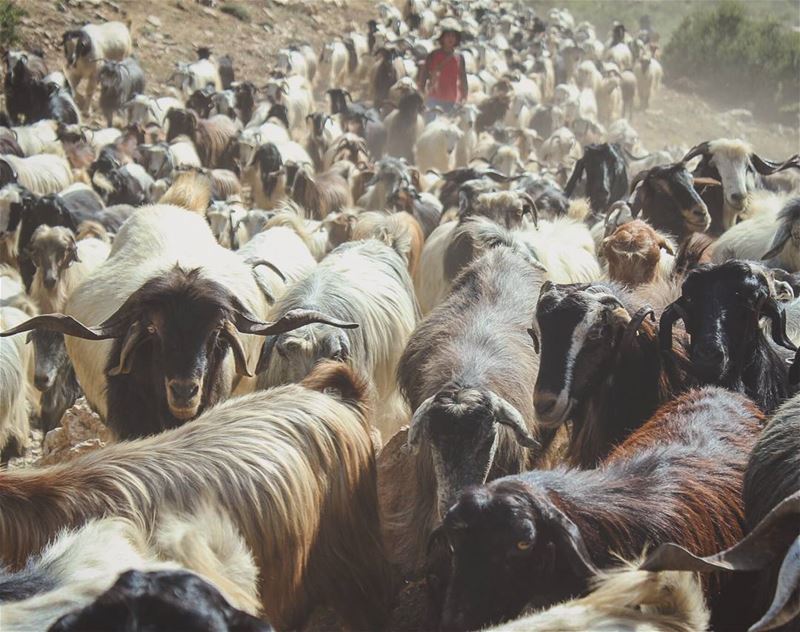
{"x": 600, "y": 366}
{"x": 144, "y": 367}
{"x": 40, "y": 137}
{"x": 606, "y": 176}
{"x": 196, "y": 75}
{"x": 551, "y": 530}
{"x": 210, "y": 136}
{"x": 61, "y": 263}
{"x": 266, "y": 176}
{"x": 436, "y": 145}
{"x": 146, "y": 110}
{"x": 15, "y": 364}
{"x": 23, "y": 69}
{"x": 10, "y": 195}
{"x": 737, "y": 166}
{"x": 365, "y": 281}
{"x": 768, "y": 235}
{"x": 85, "y": 48}
{"x": 468, "y": 424}
{"x": 157, "y": 598}
{"x": 403, "y": 127}
{"x": 330, "y": 488}
{"x": 74, "y": 569}
{"x": 40, "y": 174}
{"x": 634, "y": 253}
{"x": 666, "y": 198}
{"x": 320, "y": 195}
{"x": 119, "y": 81}
{"x": 625, "y": 599}
{"x": 771, "y": 548}
{"x": 68, "y": 209}
{"x": 286, "y": 257}
{"x": 322, "y": 132}
{"x": 721, "y": 307}
{"x": 387, "y": 227}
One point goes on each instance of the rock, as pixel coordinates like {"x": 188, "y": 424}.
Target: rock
{"x": 210, "y": 12}
{"x": 151, "y": 19}
{"x": 81, "y": 431}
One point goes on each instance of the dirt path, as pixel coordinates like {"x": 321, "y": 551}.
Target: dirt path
{"x": 164, "y": 33}
{"x": 678, "y": 118}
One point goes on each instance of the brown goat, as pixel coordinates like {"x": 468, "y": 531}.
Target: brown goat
{"x": 298, "y": 457}
{"x": 633, "y": 253}
{"x": 191, "y": 189}
{"x": 210, "y": 136}
{"x": 539, "y": 537}
{"x": 325, "y": 193}
{"x": 468, "y": 372}
{"x": 350, "y": 225}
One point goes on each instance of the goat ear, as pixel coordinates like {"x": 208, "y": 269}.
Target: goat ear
{"x": 418, "y": 428}
{"x": 569, "y": 542}
{"x": 782, "y": 236}
{"x": 63, "y": 324}
{"x": 577, "y": 172}
{"x": 504, "y": 413}
{"x": 230, "y": 334}
{"x": 706, "y": 182}
{"x": 134, "y": 337}
{"x": 777, "y": 318}
{"x": 663, "y": 243}
{"x": 293, "y": 319}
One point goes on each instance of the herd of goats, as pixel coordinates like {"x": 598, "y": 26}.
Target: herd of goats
{"x": 376, "y": 366}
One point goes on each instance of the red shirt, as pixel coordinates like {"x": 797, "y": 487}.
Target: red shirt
{"x": 445, "y": 76}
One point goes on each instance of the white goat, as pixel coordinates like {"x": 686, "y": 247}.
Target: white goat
{"x": 364, "y": 281}
{"x": 87, "y": 48}
{"x": 436, "y": 145}
{"x": 16, "y": 362}
{"x": 40, "y": 174}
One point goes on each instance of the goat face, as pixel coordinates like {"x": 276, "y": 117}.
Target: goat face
{"x": 171, "y": 599}
{"x": 511, "y": 546}
{"x": 50, "y": 355}
{"x": 721, "y": 307}
{"x": 667, "y": 190}
{"x": 170, "y": 339}
{"x": 606, "y": 176}
{"x": 581, "y": 328}
{"x": 461, "y": 427}
{"x": 52, "y": 250}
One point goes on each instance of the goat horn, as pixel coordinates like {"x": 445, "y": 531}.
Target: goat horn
{"x": 293, "y": 319}
{"x": 697, "y": 150}
{"x": 673, "y": 313}
{"x": 635, "y": 324}
{"x": 777, "y": 318}
{"x": 254, "y": 262}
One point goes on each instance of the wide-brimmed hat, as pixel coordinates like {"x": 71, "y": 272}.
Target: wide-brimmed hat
{"x": 448, "y": 25}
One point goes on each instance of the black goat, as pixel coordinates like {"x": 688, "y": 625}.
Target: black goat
{"x": 201, "y": 101}
{"x": 53, "y": 376}
{"x": 245, "y": 98}
{"x": 667, "y": 199}
{"x": 721, "y": 307}
{"x": 226, "y": 72}
{"x": 599, "y": 366}
{"x": 32, "y": 211}
{"x": 120, "y": 81}
{"x": 23, "y": 71}
{"x": 537, "y": 538}
{"x": 160, "y": 601}
{"x": 606, "y": 176}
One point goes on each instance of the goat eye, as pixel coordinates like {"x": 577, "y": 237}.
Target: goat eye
{"x": 524, "y": 545}
{"x": 151, "y": 329}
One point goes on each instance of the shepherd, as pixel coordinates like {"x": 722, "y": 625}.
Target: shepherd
{"x": 443, "y": 75}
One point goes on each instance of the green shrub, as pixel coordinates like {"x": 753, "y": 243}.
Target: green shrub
{"x": 237, "y": 11}
{"x": 10, "y": 17}
{"x": 725, "y": 51}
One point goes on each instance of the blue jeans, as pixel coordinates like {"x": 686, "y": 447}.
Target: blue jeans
{"x": 430, "y": 103}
